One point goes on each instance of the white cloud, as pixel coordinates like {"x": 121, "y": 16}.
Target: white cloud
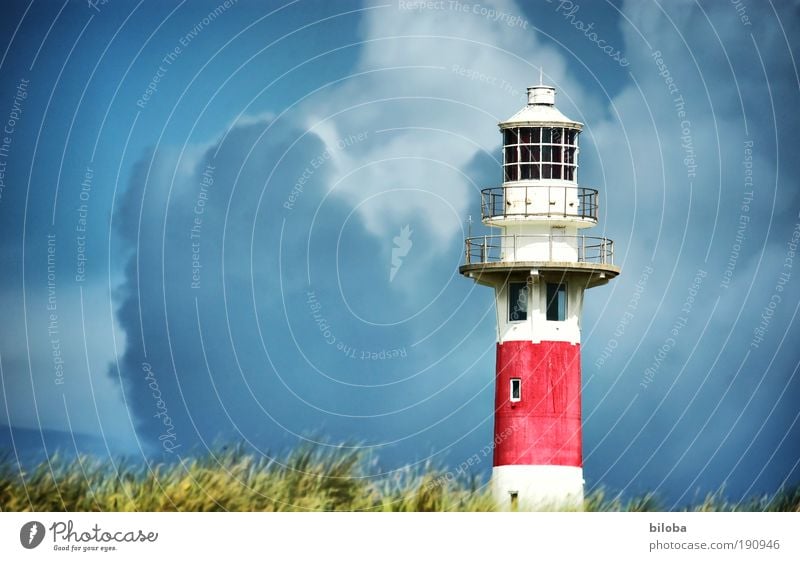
{"x": 458, "y": 73}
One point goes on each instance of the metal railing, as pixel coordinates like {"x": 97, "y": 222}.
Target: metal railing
{"x": 539, "y": 201}
{"x": 582, "y": 249}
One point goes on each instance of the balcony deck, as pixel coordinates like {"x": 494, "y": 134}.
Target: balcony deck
{"x": 488, "y": 256}
{"x": 547, "y": 202}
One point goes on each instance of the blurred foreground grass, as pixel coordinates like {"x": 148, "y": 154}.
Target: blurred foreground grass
{"x": 316, "y": 479}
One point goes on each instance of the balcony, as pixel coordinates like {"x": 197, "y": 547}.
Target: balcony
{"x": 542, "y": 248}
{"x": 539, "y": 202}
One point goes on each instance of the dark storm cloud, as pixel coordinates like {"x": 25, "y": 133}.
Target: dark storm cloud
{"x": 280, "y": 357}
{"x": 681, "y": 387}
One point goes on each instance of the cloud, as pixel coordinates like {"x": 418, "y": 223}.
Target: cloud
{"x": 689, "y": 428}
{"x": 326, "y": 185}
{"x": 294, "y": 326}
{"x": 429, "y": 87}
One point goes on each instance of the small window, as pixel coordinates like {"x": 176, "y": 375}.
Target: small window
{"x": 514, "y": 500}
{"x": 527, "y": 171}
{"x": 516, "y": 390}
{"x": 556, "y": 302}
{"x": 517, "y": 301}
{"x": 511, "y": 136}
{"x": 512, "y": 172}
{"x": 511, "y": 155}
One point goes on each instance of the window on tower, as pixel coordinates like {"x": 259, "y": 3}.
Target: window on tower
{"x": 556, "y": 301}
{"x": 516, "y": 390}
{"x": 517, "y": 301}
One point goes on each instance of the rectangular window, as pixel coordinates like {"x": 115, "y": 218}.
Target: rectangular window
{"x": 511, "y": 154}
{"x": 525, "y": 136}
{"x": 512, "y": 172}
{"x": 516, "y": 390}
{"x": 527, "y": 171}
{"x": 556, "y": 302}
{"x": 510, "y": 136}
{"x": 517, "y": 301}
{"x": 546, "y": 134}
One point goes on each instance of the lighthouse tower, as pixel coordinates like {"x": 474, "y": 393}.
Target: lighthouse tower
{"x": 540, "y": 263}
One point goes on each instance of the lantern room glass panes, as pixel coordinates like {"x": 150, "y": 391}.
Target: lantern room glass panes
{"x": 540, "y": 153}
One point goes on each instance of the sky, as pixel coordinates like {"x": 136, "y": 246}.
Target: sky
{"x": 199, "y": 202}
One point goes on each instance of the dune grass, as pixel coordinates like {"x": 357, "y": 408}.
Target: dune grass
{"x": 307, "y": 479}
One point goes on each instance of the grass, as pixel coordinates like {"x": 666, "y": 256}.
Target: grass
{"x": 308, "y": 479}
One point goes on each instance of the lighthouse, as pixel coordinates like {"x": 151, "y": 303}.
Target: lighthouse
{"x": 540, "y": 263}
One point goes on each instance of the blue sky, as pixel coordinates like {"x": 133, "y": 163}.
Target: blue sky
{"x": 217, "y": 189}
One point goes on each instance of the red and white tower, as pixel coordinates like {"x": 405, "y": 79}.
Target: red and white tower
{"x": 539, "y": 265}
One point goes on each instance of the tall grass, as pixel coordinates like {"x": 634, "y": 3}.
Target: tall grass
{"x": 307, "y": 479}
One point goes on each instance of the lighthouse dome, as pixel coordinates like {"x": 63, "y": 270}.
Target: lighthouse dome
{"x": 540, "y": 111}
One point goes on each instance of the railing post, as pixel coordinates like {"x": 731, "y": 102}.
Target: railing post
{"x": 596, "y": 204}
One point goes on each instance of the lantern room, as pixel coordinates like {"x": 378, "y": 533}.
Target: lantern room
{"x": 539, "y": 142}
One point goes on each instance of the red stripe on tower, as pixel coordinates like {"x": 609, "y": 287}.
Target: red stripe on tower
{"x": 544, "y": 426}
